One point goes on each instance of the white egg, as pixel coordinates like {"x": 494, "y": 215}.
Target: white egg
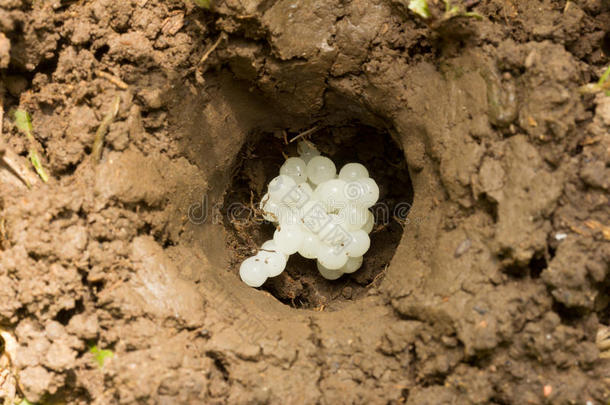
{"x": 321, "y": 169}
{"x": 306, "y": 151}
{"x": 310, "y": 246}
{"x": 280, "y": 186}
{"x": 273, "y": 261}
{"x": 295, "y": 167}
{"x": 298, "y": 196}
{"x": 332, "y": 194}
{"x": 352, "y": 264}
{"x": 314, "y": 217}
{"x": 359, "y": 244}
{"x": 370, "y": 192}
{"x": 271, "y": 209}
{"x": 356, "y": 216}
{"x": 353, "y": 171}
{"x": 330, "y": 257}
{"x": 370, "y": 223}
{"x": 288, "y": 238}
{"x": 270, "y": 245}
{"x": 252, "y": 272}
{"x": 329, "y": 274}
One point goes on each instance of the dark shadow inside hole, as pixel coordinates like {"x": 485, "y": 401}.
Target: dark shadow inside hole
{"x": 259, "y": 161}
{"x": 606, "y": 44}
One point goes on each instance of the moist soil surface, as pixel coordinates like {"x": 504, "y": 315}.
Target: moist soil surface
{"x": 494, "y": 289}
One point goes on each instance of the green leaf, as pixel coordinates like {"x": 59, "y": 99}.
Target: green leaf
{"x": 420, "y": 7}
{"x": 24, "y": 122}
{"x": 604, "y": 77}
{"x": 24, "y": 401}
{"x": 100, "y": 355}
{"x": 35, "y": 159}
{"x": 203, "y": 3}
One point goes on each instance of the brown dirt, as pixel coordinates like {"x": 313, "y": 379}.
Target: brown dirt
{"x": 493, "y": 294}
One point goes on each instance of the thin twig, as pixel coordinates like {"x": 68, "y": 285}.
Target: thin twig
{"x": 207, "y": 53}
{"x": 98, "y": 143}
{"x": 306, "y": 133}
{"x": 112, "y": 79}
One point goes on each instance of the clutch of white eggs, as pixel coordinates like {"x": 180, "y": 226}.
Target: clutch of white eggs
{"x": 318, "y": 214}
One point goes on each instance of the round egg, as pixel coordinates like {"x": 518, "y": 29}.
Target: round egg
{"x": 330, "y": 257}
{"x": 280, "y": 187}
{"x": 329, "y": 274}
{"x": 352, "y": 264}
{"x": 321, "y": 169}
{"x": 252, "y": 272}
{"x": 370, "y": 192}
{"x": 353, "y": 172}
{"x": 310, "y": 246}
{"x": 359, "y": 244}
{"x": 356, "y": 216}
{"x": 270, "y": 245}
{"x": 306, "y": 152}
{"x": 288, "y": 238}
{"x": 332, "y": 194}
{"x": 273, "y": 261}
{"x": 271, "y": 209}
{"x": 295, "y": 168}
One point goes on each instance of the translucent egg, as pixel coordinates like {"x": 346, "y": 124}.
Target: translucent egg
{"x": 370, "y": 192}
{"x": 271, "y": 209}
{"x": 270, "y": 245}
{"x": 252, "y": 272}
{"x": 299, "y": 195}
{"x": 295, "y": 168}
{"x": 332, "y": 194}
{"x": 352, "y": 264}
{"x": 273, "y": 261}
{"x": 280, "y": 186}
{"x": 353, "y": 172}
{"x": 359, "y": 244}
{"x": 321, "y": 169}
{"x": 370, "y": 223}
{"x": 306, "y": 151}
{"x": 288, "y": 238}
{"x": 310, "y": 246}
{"x": 356, "y": 216}
{"x": 330, "y": 257}
{"x": 328, "y": 273}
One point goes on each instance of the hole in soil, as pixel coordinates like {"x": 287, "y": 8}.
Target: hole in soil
{"x": 606, "y": 44}
{"x": 301, "y": 285}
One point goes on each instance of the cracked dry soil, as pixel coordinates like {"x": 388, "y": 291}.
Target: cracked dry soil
{"x": 491, "y": 291}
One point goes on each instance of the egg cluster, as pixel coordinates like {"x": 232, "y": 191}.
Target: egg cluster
{"x": 318, "y": 214}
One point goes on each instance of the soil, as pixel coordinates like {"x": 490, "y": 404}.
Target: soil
{"x": 495, "y": 289}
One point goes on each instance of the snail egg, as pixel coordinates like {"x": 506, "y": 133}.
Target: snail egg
{"x": 321, "y": 169}
{"x": 252, "y": 272}
{"x": 288, "y": 238}
{"x": 310, "y": 246}
{"x": 273, "y": 261}
{"x": 331, "y": 257}
{"x": 352, "y": 264}
{"x": 353, "y": 171}
{"x": 329, "y": 274}
{"x": 359, "y": 244}
{"x": 295, "y": 168}
{"x": 280, "y": 186}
